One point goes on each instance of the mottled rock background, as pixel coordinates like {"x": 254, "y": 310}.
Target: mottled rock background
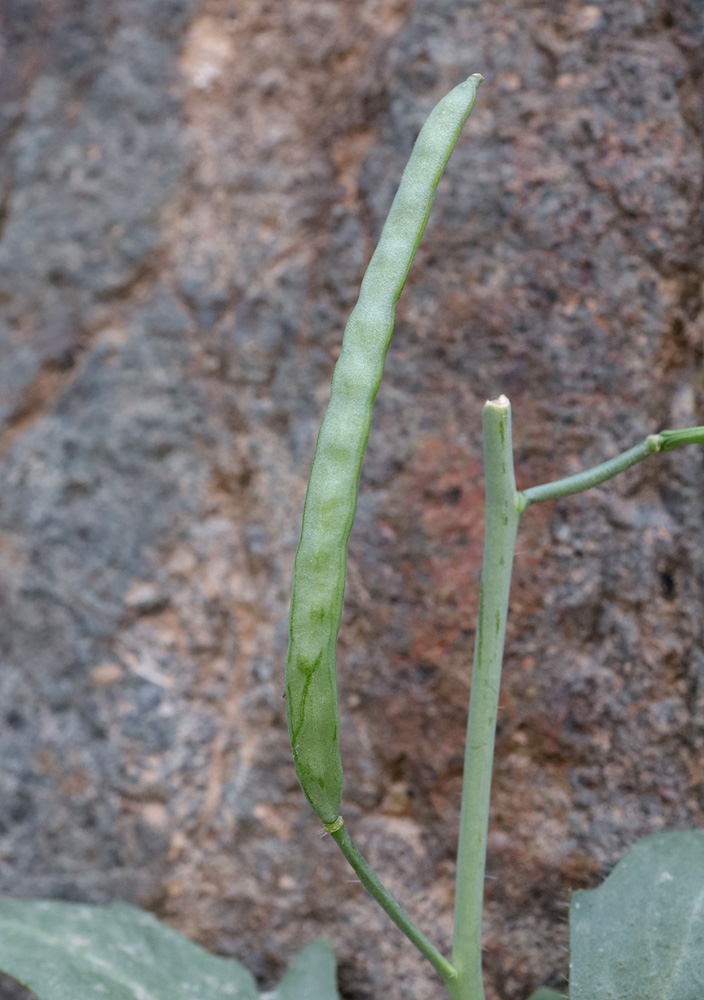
{"x": 189, "y": 192}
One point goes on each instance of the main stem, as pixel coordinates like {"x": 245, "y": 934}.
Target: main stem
{"x": 501, "y": 525}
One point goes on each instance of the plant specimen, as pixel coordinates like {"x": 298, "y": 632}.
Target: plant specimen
{"x": 640, "y": 936}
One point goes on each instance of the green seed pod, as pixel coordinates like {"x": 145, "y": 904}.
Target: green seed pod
{"x": 321, "y": 560}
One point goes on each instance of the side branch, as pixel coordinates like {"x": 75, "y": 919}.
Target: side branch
{"x": 654, "y": 443}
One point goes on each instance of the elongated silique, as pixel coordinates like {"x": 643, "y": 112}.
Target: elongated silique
{"x": 331, "y": 500}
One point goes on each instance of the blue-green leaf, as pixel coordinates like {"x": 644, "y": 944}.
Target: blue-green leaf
{"x": 65, "y": 951}
{"x": 545, "y": 994}
{"x": 640, "y": 936}
{"x": 311, "y": 975}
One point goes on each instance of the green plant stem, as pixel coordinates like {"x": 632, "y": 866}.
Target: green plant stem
{"x": 654, "y": 443}
{"x": 384, "y": 898}
{"x": 673, "y": 439}
{"x": 501, "y": 524}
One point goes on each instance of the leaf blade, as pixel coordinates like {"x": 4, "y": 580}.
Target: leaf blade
{"x": 640, "y": 935}
{"x": 61, "y": 951}
{"x": 312, "y": 975}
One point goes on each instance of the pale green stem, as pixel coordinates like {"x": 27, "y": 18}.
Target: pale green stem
{"x": 387, "y": 902}
{"x": 673, "y": 439}
{"x": 654, "y": 443}
{"x": 504, "y": 505}
{"x": 501, "y": 524}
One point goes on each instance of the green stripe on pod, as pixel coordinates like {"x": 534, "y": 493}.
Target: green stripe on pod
{"x": 321, "y": 560}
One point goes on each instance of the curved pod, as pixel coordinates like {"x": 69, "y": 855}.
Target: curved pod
{"x": 331, "y": 500}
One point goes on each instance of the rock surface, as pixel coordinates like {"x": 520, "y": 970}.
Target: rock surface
{"x": 189, "y": 192}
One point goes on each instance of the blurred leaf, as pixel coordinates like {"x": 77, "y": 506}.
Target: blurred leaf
{"x": 545, "y": 994}
{"x": 64, "y": 951}
{"x": 640, "y": 936}
{"x": 311, "y": 976}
